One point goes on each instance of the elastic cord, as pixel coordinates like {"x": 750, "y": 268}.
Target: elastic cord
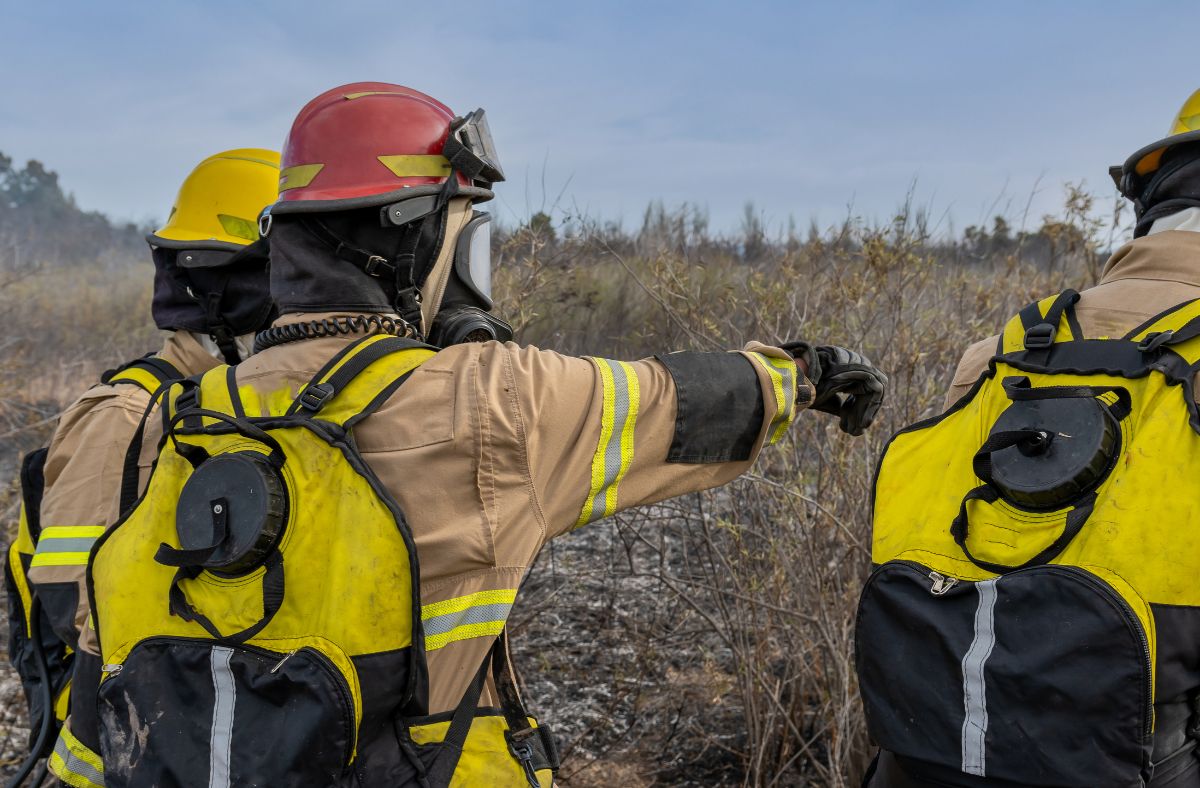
{"x": 333, "y": 326}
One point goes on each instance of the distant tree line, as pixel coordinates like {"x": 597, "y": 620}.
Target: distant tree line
{"x": 42, "y": 226}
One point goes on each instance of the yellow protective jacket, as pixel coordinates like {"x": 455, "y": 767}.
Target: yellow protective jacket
{"x": 419, "y": 487}
{"x": 1034, "y": 591}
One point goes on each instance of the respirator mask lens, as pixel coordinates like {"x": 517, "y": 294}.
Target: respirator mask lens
{"x": 473, "y": 257}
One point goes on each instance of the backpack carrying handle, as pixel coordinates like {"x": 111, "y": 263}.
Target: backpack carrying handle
{"x": 272, "y": 588}
{"x": 1076, "y": 519}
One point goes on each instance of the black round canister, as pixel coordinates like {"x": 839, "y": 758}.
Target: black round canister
{"x": 1084, "y": 441}
{"x": 249, "y": 492}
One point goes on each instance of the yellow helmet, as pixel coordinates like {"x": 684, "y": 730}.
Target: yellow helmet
{"x": 220, "y": 201}
{"x": 1142, "y": 165}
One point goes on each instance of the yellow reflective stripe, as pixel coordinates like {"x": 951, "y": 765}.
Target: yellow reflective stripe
{"x": 459, "y": 603}
{"x": 464, "y": 632}
{"x": 481, "y": 614}
{"x": 66, "y": 545}
{"x": 74, "y": 764}
{"x": 297, "y": 176}
{"x": 417, "y": 166}
{"x": 620, "y": 401}
{"x": 238, "y": 227}
{"x": 18, "y": 575}
{"x": 364, "y": 93}
{"x": 782, "y": 373}
{"x": 60, "y": 559}
{"x": 72, "y": 532}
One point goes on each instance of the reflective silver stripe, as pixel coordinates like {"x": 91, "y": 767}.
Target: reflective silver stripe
{"x": 478, "y": 614}
{"x": 77, "y": 544}
{"x": 975, "y": 723}
{"x": 76, "y": 765}
{"x": 612, "y": 453}
{"x": 221, "y": 741}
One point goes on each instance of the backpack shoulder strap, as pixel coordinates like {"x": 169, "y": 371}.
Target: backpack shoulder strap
{"x": 1177, "y": 328}
{"x": 359, "y": 379}
{"x": 1042, "y": 324}
{"x": 148, "y": 372}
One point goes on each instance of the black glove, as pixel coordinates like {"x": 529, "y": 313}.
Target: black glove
{"x": 848, "y": 384}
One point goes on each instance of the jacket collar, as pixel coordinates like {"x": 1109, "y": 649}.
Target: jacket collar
{"x": 1169, "y": 256}
{"x": 182, "y": 351}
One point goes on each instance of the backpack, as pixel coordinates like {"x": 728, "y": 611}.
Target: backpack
{"x": 42, "y": 660}
{"x": 1034, "y": 593}
{"x": 259, "y": 608}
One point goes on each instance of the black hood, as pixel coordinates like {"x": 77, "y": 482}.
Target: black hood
{"x": 1174, "y": 187}
{"x": 227, "y": 289}
{"x": 308, "y": 275}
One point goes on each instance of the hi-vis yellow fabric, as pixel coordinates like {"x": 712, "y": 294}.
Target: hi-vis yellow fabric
{"x": 66, "y": 545}
{"x": 485, "y": 759}
{"x": 477, "y": 615}
{"x": 74, "y": 764}
{"x": 782, "y": 373}
{"x": 139, "y": 376}
{"x": 348, "y": 589}
{"x": 614, "y": 452}
{"x": 1137, "y": 538}
{"x": 1014, "y": 332}
{"x": 22, "y": 545}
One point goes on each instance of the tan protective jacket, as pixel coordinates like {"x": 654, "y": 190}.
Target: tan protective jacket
{"x": 1143, "y": 278}
{"x": 491, "y": 450}
{"x": 83, "y": 478}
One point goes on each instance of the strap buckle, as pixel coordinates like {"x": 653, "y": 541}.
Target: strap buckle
{"x": 374, "y": 262}
{"x": 522, "y": 749}
{"x": 315, "y": 396}
{"x": 1041, "y": 336}
{"x": 1155, "y": 340}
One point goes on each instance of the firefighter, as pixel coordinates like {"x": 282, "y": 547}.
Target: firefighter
{"x": 211, "y": 294}
{"x": 1087, "y": 404}
{"x": 314, "y": 588}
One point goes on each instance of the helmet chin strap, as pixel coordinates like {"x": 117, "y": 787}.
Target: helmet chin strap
{"x": 433, "y": 289}
{"x": 243, "y": 346}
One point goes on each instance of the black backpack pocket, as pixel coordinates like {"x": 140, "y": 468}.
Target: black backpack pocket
{"x": 1040, "y": 677}
{"x": 182, "y": 712}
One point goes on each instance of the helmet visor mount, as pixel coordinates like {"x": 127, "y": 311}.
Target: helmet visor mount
{"x": 471, "y": 150}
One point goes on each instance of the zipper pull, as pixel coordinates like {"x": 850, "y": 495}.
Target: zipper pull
{"x": 111, "y": 670}
{"x": 941, "y": 583}
{"x": 286, "y": 657}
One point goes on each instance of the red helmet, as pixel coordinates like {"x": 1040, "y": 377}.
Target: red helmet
{"x": 373, "y": 143}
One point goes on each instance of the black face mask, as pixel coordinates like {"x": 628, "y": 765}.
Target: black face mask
{"x": 322, "y": 263}
{"x": 1172, "y": 188}
{"x": 220, "y": 293}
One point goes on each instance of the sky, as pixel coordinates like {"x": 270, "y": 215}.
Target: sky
{"x": 810, "y": 110}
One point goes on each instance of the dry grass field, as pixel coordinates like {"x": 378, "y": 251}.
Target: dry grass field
{"x": 706, "y": 640}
